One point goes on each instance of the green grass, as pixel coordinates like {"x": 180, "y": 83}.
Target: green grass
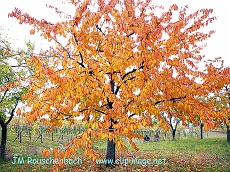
{"x": 191, "y": 154}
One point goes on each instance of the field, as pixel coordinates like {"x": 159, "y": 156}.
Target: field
{"x": 184, "y": 154}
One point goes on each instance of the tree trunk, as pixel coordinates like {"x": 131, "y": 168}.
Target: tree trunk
{"x": 201, "y": 130}
{"x": 110, "y": 153}
{"x": 173, "y": 134}
{"x": 3, "y": 141}
{"x": 228, "y": 134}
{"x": 4, "y": 131}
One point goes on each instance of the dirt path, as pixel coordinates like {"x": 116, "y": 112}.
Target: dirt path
{"x": 212, "y": 134}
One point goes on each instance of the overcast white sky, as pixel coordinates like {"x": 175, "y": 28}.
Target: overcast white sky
{"x": 217, "y": 46}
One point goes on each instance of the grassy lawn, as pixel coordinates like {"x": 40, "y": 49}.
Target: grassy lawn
{"x": 190, "y": 154}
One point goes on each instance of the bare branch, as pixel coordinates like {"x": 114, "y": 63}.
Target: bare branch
{"x": 4, "y": 95}
{"x": 64, "y": 49}
{"x": 12, "y": 112}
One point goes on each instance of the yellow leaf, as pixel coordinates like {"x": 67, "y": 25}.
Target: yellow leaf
{"x": 126, "y": 130}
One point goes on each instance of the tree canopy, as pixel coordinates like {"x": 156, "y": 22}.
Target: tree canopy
{"x": 121, "y": 65}
{"x": 13, "y": 73}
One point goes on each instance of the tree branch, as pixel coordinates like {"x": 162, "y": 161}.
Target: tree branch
{"x": 83, "y": 110}
{"x": 100, "y": 111}
{"x": 132, "y": 71}
{"x": 4, "y": 95}
{"x": 12, "y": 112}
{"x": 112, "y": 83}
{"x": 64, "y": 49}
{"x": 172, "y": 99}
{"x": 110, "y": 104}
{"x": 98, "y": 28}
{"x": 170, "y": 120}
{"x": 129, "y": 103}
{"x": 81, "y": 63}
{"x": 177, "y": 123}
{"x": 132, "y": 115}
{"x": 130, "y": 79}
{"x": 98, "y": 47}
{"x": 130, "y": 34}
{"x": 117, "y": 89}
{"x": 125, "y": 75}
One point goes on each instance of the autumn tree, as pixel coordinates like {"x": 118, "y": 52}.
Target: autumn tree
{"x": 222, "y": 106}
{"x": 13, "y": 71}
{"x": 173, "y": 121}
{"x": 227, "y": 121}
{"x": 122, "y": 64}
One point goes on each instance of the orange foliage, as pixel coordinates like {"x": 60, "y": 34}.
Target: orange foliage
{"x": 121, "y": 65}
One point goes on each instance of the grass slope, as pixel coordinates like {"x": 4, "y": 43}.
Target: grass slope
{"x": 190, "y": 154}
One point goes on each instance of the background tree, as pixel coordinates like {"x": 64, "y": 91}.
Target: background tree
{"x": 177, "y": 121}
{"x": 200, "y": 123}
{"x": 121, "y": 65}
{"x": 227, "y": 88}
{"x": 222, "y": 105}
{"x": 173, "y": 121}
{"x": 13, "y": 71}
{"x": 201, "y": 129}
